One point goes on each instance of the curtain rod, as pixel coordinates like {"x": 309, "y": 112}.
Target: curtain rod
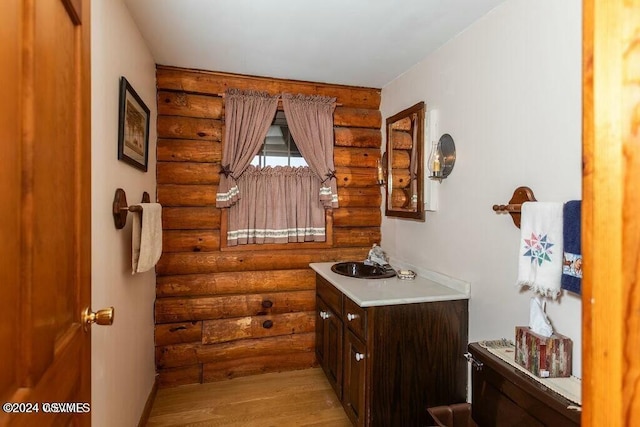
{"x": 338, "y": 104}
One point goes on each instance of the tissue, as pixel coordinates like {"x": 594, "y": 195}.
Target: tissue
{"x": 538, "y": 321}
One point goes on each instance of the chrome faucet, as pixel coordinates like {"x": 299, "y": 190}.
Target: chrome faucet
{"x": 378, "y": 258}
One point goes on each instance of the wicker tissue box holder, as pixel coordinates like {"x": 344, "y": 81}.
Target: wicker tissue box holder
{"x": 545, "y": 357}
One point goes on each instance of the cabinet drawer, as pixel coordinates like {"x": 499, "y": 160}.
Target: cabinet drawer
{"x": 355, "y": 317}
{"x": 330, "y": 295}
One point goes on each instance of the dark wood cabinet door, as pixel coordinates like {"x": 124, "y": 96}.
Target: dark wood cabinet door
{"x": 329, "y": 345}
{"x": 355, "y": 362}
{"x": 321, "y": 310}
{"x": 416, "y": 360}
{"x": 333, "y": 351}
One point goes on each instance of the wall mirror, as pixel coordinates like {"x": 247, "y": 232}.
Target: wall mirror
{"x": 404, "y": 163}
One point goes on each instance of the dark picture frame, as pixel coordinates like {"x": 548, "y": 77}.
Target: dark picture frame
{"x": 133, "y": 127}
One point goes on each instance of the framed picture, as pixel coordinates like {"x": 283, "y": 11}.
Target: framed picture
{"x": 133, "y": 131}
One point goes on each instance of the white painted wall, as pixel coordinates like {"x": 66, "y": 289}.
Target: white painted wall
{"x": 508, "y": 89}
{"x": 123, "y": 369}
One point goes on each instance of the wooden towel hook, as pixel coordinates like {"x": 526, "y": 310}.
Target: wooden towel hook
{"x": 121, "y": 209}
{"x": 520, "y": 195}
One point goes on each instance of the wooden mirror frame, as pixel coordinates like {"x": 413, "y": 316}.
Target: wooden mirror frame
{"x": 402, "y": 180}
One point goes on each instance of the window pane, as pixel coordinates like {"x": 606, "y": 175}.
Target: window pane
{"x": 279, "y": 148}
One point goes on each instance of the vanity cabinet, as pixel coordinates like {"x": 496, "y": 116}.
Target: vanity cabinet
{"x": 394, "y": 361}
{"x": 502, "y": 395}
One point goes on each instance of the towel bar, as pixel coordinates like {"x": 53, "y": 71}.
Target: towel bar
{"x": 520, "y": 195}
{"x": 121, "y": 209}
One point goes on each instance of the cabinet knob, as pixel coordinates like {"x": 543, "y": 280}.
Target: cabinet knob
{"x": 351, "y": 316}
{"x": 359, "y": 357}
{"x": 324, "y": 315}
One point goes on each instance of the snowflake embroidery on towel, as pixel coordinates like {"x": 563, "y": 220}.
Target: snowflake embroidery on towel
{"x": 538, "y": 248}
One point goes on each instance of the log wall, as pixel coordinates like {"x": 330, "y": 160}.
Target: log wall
{"x": 226, "y": 313}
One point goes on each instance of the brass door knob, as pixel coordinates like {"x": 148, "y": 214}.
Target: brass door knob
{"x": 101, "y": 317}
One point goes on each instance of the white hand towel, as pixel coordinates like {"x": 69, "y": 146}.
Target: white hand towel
{"x": 540, "y": 263}
{"x": 146, "y": 239}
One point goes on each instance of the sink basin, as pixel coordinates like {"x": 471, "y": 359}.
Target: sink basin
{"x": 360, "y": 270}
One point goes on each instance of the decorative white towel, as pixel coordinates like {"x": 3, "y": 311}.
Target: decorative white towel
{"x": 540, "y": 261}
{"x": 146, "y": 238}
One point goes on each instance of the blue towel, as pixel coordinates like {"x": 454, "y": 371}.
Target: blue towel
{"x": 572, "y": 259}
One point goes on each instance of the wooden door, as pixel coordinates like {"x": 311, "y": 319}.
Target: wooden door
{"x": 611, "y": 219}
{"x": 45, "y": 179}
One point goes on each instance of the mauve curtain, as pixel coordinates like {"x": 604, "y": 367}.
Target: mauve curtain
{"x": 310, "y": 120}
{"x": 279, "y": 205}
{"x": 248, "y": 115}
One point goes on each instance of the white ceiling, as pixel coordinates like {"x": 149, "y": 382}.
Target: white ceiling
{"x": 354, "y": 42}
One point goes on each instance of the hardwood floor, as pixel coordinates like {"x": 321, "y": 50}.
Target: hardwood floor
{"x": 296, "y": 398}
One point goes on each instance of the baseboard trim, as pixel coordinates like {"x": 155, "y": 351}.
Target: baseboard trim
{"x": 144, "y": 418}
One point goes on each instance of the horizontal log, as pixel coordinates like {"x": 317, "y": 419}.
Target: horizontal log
{"x": 208, "y": 173}
{"x": 190, "y": 240}
{"x": 402, "y": 124}
{"x": 206, "y": 262}
{"x": 345, "y": 237}
{"x": 186, "y": 218}
{"x": 237, "y": 328}
{"x": 401, "y": 140}
{"x": 189, "y": 150}
{"x": 355, "y": 137}
{"x": 178, "y": 309}
{"x": 172, "y": 356}
{"x": 357, "y": 217}
{"x": 187, "y": 173}
{"x": 356, "y": 157}
{"x": 187, "y": 195}
{"x": 401, "y": 178}
{"x": 189, "y": 128}
{"x": 359, "y": 197}
{"x": 400, "y": 198}
{"x": 400, "y": 159}
{"x": 212, "y": 107}
{"x": 178, "y": 333}
{"x": 180, "y": 376}
{"x": 236, "y": 282}
{"x": 356, "y": 177}
{"x": 190, "y": 105}
{"x": 213, "y": 83}
{"x": 229, "y": 369}
{"x": 205, "y": 195}
{"x": 357, "y": 117}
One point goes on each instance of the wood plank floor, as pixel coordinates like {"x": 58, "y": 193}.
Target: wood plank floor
{"x": 296, "y": 398}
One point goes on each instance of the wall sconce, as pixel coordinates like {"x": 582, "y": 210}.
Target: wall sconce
{"x": 442, "y": 158}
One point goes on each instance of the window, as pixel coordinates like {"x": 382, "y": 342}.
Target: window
{"x": 279, "y": 148}
{"x": 285, "y": 201}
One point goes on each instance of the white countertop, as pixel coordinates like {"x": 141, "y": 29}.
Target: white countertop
{"x": 376, "y": 292}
